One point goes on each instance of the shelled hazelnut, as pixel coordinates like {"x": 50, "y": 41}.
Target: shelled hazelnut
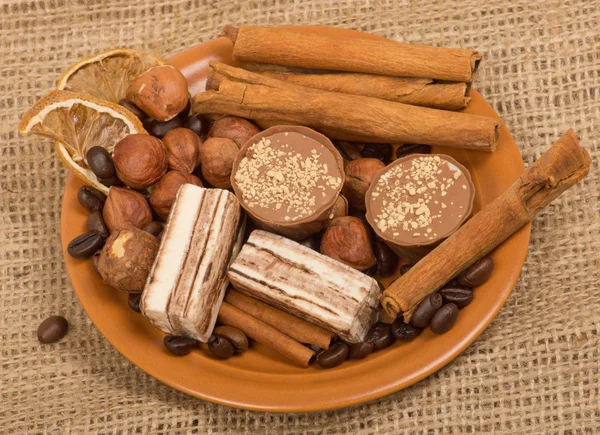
{"x": 164, "y": 192}
{"x": 140, "y": 160}
{"x": 216, "y": 159}
{"x": 346, "y": 239}
{"x": 232, "y": 127}
{"x": 125, "y": 207}
{"x": 359, "y": 175}
{"x": 183, "y": 149}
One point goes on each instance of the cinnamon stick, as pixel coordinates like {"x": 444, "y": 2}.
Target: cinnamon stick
{"x": 265, "y": 334}
{"x": 288, "y": 47}
{"x": 559, "y": 168}
{"x": 255, "y": 96}
{"x": 295, "y": 327}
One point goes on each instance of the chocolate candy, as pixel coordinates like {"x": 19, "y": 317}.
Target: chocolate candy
{"x": 460, "y": 296}
{"x": 387, "y": 260}
{"x": 100, "y": 162}
{"x": 444, "y": 318}
{"x": 426, "y": 309}
{"x": 159, "y": 129}
{"x": 95, "y": 223}
{"x": 361, "y": 350}
{"x": 197, "y": 124}
{"x": 134, "y": 301}
{"x": 85, "y": 245}
{"x": 154, "y": 228}
{"x": 405, "y": 150}
{"x": 477, "y": 274}
{"x": 404, "y": 331}
{"x": 130, "y": 105}
{"x": 405, "y": 268}
{"x": 381, "y": 151}
{"x": 235, "y": 336}
{"x": 220, "y": 347}
{"x": 380, "y": 335}
{"x": 179, "y": 345}
{"x": 52, "y": 329}
{"x": 91, "y": 198}
{"x": 333, "y": 356}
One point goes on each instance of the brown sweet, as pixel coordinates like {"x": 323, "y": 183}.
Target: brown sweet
{"x": 127, "y": 258}
{"x": 183, "y": 149}
{"x": 125, "y": 207}
{"x": 140, "y": 160}
{"x": 233, "y": 127}
{"x": 346, "y": 239}
{"x": 359, "y": 175}
{"x": 164, "y": 192}
{"x": 216, "y": 159}
{"x": 161, "y": 92}
{"x": 340, "y": 209}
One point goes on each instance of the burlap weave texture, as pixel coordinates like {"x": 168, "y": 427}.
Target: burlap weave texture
{"x": 536, "y": 369}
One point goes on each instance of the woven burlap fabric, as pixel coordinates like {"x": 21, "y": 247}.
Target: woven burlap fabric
{"x": 536, "y": 369}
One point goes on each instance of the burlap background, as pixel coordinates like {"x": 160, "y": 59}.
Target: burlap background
{"x": 537, "y": 367}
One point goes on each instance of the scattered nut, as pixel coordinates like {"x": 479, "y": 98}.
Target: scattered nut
{"x": 140, "y": 160}
{"x": 216, "y": 157}
{"x": 164, "y": 192}
{"x": 183, "y": 149}
{"x": 161, "y": 92}
{"x": 125, "y": 207}
{"x": 232, "y": 127}
{"x": 346, "y": 239}
{"x": 127, "y": 258}
{"x": 340, "y": 209}
{"x": 359, "y": 175}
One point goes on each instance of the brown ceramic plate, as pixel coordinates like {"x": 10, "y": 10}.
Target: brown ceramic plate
{"x": 261, "y": 379}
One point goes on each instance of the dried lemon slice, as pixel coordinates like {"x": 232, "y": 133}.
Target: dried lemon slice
{"x": 107, "y": 75}
{"x": 78, "y": 122}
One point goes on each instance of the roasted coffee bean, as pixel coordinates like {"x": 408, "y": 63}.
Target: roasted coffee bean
{"x": 179, "y": 345}
{"x": 85, "y": 245}
{"x": 381, "y": 151}
{"x": 361, "y": 350}
{"x": 220, "y": 347}
{"x": 311, "y": 242}
{"x": 100, "y": 162}
{"x": 333, "y": 356}
{"x": 477, "y": 274}
{"x": 408, "y": 149}
{"x": 387, "y": 260}
{"x": 197, "y": 124}
{"x": 95, "y": 259}
{"x": 314, "y": 347}
{"x": 52, "y": 329}
{"x": 426, "y": 309}
{"x": 91, "y": 198}
{"x": 460, "y": 296}
{"x": 134, "y": 301}
{"x": 404, "y": 331}
{"x": 154, "y": 228}
{"x": 371, "y": 271}
{"x": 159, "y": 129}
{"x": 444, "y": 318}
{"x": 95, "y": 224}
{"x": 405, "y": 268}
{"x": 235, "y": 337}
{"x": 130, "y": 105}
{"x": 112, "y": 181}
{"x": 349, "y": 151}
{"x": 380, "y": 335}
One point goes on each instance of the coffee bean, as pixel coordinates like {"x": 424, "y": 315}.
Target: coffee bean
{"x": 444, "y": 318}
{"x": 380, "y": 335}
{"x": 311, "y": 242}
{"x": 154, "y": 228}
{"x": 381, "y": 151}
{"x": 85, "y": 245}
{"x": 349, "y": 151}
{"x": 134, "y": 301}
{"x": 112, "y": 181}
{"x": 91, "y": 198}
{"x": 361, "y": 350}
{"x": 408, "y": 149}
{"x": 371, "y": 271}
{"x": 100, "y": 162}
{"x": 52, "y": 329}
{"x": 130, "y": 105}
{"x": 426, "y": 309}
{"x": 404, "y": 331}
{"x": 333, "y": 356}
{"x": 387, "y": 260}
{"x": 95, "y": 223}
{"x": 159, "y": 129}
{"x": 477, "y": 274}
{"x": 179, "y": 345}
{"x": 405, "y": 268}
{"x": 235, "y": 336}
{"x": 220, "y": 347}
{"x": 197, "y": 124}
{"x": 460, "y": 296}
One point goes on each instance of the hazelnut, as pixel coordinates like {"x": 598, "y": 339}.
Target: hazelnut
{"x": 216, "y": 158}
{"x": 161, "y": 92}
{"x": 359, "y": 175}
{"x": 164, "y": 192}
{"x": 232, "y": 127}
{"x": 183, "y": 149}
{"x": 125, "y": 207}
{"x": 127, "y": 258}
{"x": 140, "y": 160}
{"x": 340, "y": 208}
{"x": 347, "y": 240}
